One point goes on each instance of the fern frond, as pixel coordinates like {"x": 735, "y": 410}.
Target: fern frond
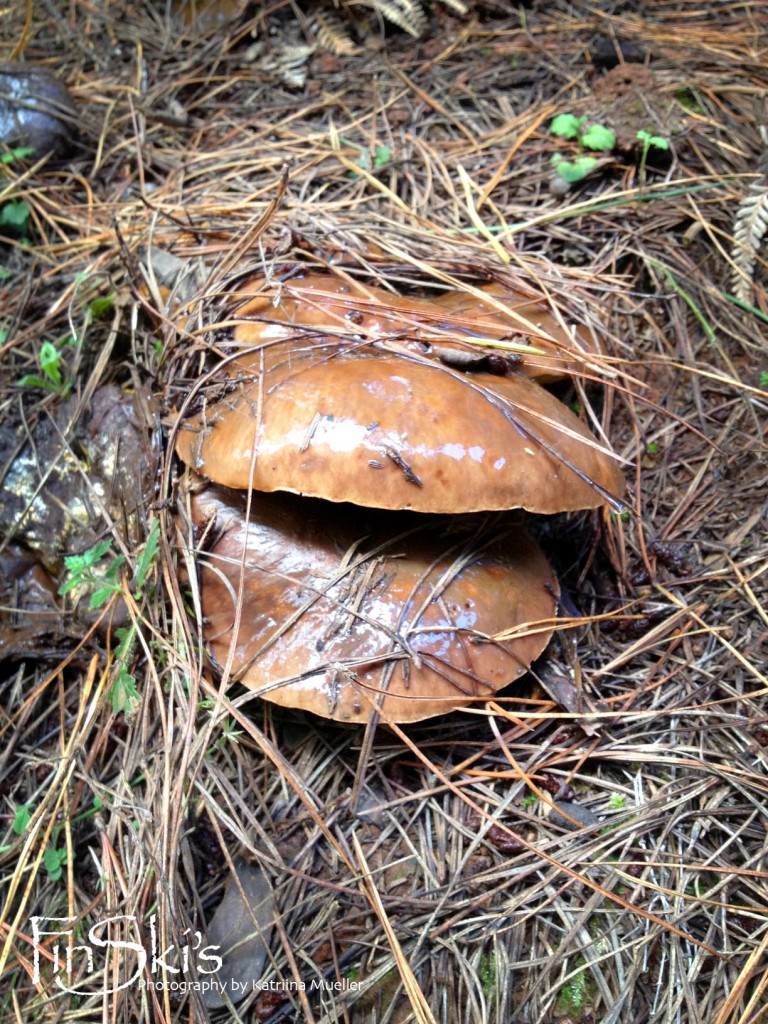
{"x": 408, "y": 15}
{"x": 331, "y": 34}
{"x": 749, "y": 229}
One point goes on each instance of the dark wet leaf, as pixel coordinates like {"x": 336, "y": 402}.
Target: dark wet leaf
{"x": 240, "y": 929}
{"x": 572, "y": 816}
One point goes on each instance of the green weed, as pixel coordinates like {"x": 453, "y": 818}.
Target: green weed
{"x": 53, "y": 375}
{"x": 99, "y": 571}
{"x": 574, "y": 996}
{"x": 84, "y": 571}
{"x": 487, "y": 973}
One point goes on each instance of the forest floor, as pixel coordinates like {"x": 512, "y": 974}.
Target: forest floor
{"x": 414, "y": 872}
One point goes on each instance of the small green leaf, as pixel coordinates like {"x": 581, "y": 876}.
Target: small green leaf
{"x": 575, "y": 170}
{"x": 14, "y": 214}
{"x": 78, "y": 565}
{"x": 21, "y": 818}
{"x": 102, "y": 306}
{"x": 113, "y": 570}
{"x": 147, "y": 556}
{"x": 764, "y": 379}
{"x": 101, "y": 595}
{"x": 566, "y": 126}
{"x": 655, "y": 141}
{"x": 5, "y": 273}
{"x": 652, "y": 448}
{"x": 123, "y": 693}
{"x": 30, "y": 380}
{"x": 50, "y": 362}
{"x": 20, "y": 153}
{"x": 126, "y": 636}
{"x": 689, "y": 101}
{"x": 53, "y": 860}
{"x": 598, "y": 137}
{"x": 382, "y": 156}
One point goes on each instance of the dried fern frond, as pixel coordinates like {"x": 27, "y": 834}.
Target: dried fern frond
{"x": 749, "y": 229}
{"x": 331, "y": 34}
{"x": 751, "y": 223}
{"x": 408, "y": 15}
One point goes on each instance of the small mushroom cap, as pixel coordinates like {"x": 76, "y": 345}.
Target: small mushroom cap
{"x": 333, "y": 305}
{"x": 335, "y": 615}
{"x": 388, "y": 430}
{"x": 36, "y": 109}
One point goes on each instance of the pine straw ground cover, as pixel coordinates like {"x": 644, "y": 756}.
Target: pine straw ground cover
{"x": 131, "y": 781}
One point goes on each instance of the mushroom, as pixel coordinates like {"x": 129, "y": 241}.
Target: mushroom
{"x": 36, "y": 109}
{"x": 342, "y": 619}
{"x": 446, "y": 325}
{"x": 350, "y": 423}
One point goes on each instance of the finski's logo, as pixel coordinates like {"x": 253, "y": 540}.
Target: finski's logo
{"x": 96, "y": 951}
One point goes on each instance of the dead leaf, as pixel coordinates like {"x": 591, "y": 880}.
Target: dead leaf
{"x": 240, "y": 930}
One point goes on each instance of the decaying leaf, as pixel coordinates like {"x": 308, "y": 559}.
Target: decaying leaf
{"x": 240, "y": 930}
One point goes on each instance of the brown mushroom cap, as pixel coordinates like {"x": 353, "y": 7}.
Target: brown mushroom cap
{"x": 334, "y": 615}
{"x": 453, "y": 320}
{"x": 388, "y": 430}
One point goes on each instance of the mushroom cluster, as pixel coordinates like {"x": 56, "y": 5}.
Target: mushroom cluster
{"x": 358, "y": 401}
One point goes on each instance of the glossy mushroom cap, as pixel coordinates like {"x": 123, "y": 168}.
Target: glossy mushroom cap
{"x": 340, "y": 619}
{"x": 447, "y": 325}
{"x": 388, "y": 430}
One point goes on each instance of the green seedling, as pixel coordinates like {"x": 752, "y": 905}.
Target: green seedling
{"x": 124, "y": 692}
{"x": 146, "y": 559}
{"x": 14, "y": 216}
{"x": 54, "y": 861}
{"x": 52, "y": 376}
{"x": 649, "y": 142}
{"x": 381, "y": 156}
{"x": 19, "y": 153}
{"x": 228, "y": 726}
{"x": 764, "y": 379}
{"x": 83, "y": 572}
{"x": 101, "y": 307}
{"x": 21, "y": 818}
{"x": 617, "y": 802}
{"x": 595, "y": 137}
{"x": 652, "y": 141}
{"x": 98, "y": 570}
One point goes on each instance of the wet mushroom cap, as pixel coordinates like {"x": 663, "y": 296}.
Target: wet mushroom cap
{"x": 339, "y": 615}
{"x": 386, "y": 430}
{"x": 457, "y": 320}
